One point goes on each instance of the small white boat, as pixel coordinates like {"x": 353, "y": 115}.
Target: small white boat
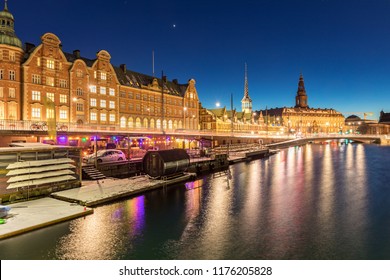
{"x": 4, "y": 211}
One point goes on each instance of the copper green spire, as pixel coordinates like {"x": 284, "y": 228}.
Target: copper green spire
{"x": 7, "y": 32}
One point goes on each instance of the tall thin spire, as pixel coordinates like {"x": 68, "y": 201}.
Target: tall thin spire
{"x": 246, "y": 89}
{"x": 246, "y": 102}
{"x": 5, "y": 5}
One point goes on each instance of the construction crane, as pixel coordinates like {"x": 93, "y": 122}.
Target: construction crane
{"x": 364, "y": 114}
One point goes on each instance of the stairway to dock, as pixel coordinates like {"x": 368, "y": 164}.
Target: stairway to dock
{"x": 91, "y": 173}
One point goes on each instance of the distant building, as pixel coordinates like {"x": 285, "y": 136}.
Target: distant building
{"x": 301, "y": 118}
{"x": 224, "y": 120}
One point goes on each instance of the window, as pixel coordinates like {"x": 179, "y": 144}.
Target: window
{"x": 137, "y": 96}
{"x": 79, "y": 92}
{"x": 1, "y": 92}
{"x": 122, "y": 94}
{"x": 50, "y": 81}
{"x": 123, "y": 105}
{"x": 102, "y": 90}
{"x": 131, "y": 107}
{"x": 80, "y": 107}
{"x": 1, "y": 74}
{"x": 103, "y": 103}
{"x": 12, "y": 56}
{"x": 36, "y": 113}
{"x": 92, "y": 89}
{"x": 11, "y": 93}
{"x": 103, "y": 117}
{"x": 123, "y": 122}
{"x": 63, "y": 98}
{"x": 1, "y": 55}
{"x": 138, "y": 107}
{"x": 36, "y": 95}
{"x": 50, "y": 96}
{"x": 12, "y": 75}
{"x": 94, "y": 74}
{"x": 112, "y": 92}
{"x": 38, "y": 61}
{"x": 63, "y": 83}
{"x": 79, "y": 73}
{"x": 131, "y": 95}
{"x": 50, "y": 63}
{"x": 93, "y": 116}
{"x": 93, "y": 102}
{"x": 63, "y": 114}
{"x": 112, "y": 104}
{"x": 112, "y": 117}
{"x": 103, "y": 76}
{"x": 36, "y": 79}
{"x": 50, "y": 113}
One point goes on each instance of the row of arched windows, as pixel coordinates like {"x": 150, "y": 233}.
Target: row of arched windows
{"x": 137, "y": 122}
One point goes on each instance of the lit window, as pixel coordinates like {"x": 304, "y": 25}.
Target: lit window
{"x": 102, "y": 90}
{"x": 36, "y": 113}
{"x": 50, "y": 96}
{"x": 50, "y": 81}
{"x": 12, "y": 75}
{"x": 63, "y": 98}
{"x": 103, "y": 117}
{"x": 112, "y": 117}
{"x": 123, "y": 122}
{"x": 12, "y": 56}
{"x": 93, "y": 102}
{"x": 50, "y": 113}
{"x": 112, "y": 92}
{"x": 1, "y": 92}
{"x": 112, "y": 104}
{"x": 93, "y": 116}
{"x": 50, "y": 63}
{"x": 12, "y": 93}
{"x": 63, "y": 114}
{"x": 36, "y": 79}
{"x": 38, "y": 61}
{"x": 36, "y": 95}
{"x": 92, "y": 89}
{"x": 103, "y": 103}
{"x": 94, "y": 74}
{"x": 79, "y": 73}
{"x": 103, "y": 76}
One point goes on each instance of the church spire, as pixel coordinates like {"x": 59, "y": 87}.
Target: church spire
{"x": 246, "y": 102}
{"x": 5, "y": 5}
{"x": 301, "y": 97}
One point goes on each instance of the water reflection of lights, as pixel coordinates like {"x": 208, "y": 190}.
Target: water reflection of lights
{"x": 98, "y": 237}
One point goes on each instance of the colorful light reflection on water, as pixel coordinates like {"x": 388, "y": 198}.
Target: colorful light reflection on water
{"x": 313, "y": 202}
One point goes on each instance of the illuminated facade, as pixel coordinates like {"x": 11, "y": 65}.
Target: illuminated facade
{"x": 42, "y": 83}
{"x": 302, "y": 118}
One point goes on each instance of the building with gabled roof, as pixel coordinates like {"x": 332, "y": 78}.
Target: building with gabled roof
{"x": 44, "y": 83}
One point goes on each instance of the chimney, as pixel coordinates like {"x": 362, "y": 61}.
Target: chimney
{"x": 175, "y": 81}
{"x": 29, "y": 47}
{"x": 76, "y": 53}
{"x": 123, "y": 67}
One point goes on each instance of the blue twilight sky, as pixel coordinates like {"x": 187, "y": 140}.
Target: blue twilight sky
{"x": 342, "y": 47}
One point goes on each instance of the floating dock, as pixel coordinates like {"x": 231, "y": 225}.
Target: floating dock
{"x": 94, "y": 193}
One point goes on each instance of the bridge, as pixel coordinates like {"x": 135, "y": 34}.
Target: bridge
{"x": 366, "y": 138}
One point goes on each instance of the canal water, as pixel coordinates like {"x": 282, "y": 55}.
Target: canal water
{"x": 317, "y": 201}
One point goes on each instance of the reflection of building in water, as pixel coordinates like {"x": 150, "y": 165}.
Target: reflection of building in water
{"x": 301, "y": 118}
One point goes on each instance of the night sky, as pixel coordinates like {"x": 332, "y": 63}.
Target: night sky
{"x": 342, "y": 47}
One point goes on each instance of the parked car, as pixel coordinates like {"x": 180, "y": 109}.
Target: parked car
{"x": 109, "y": 155}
